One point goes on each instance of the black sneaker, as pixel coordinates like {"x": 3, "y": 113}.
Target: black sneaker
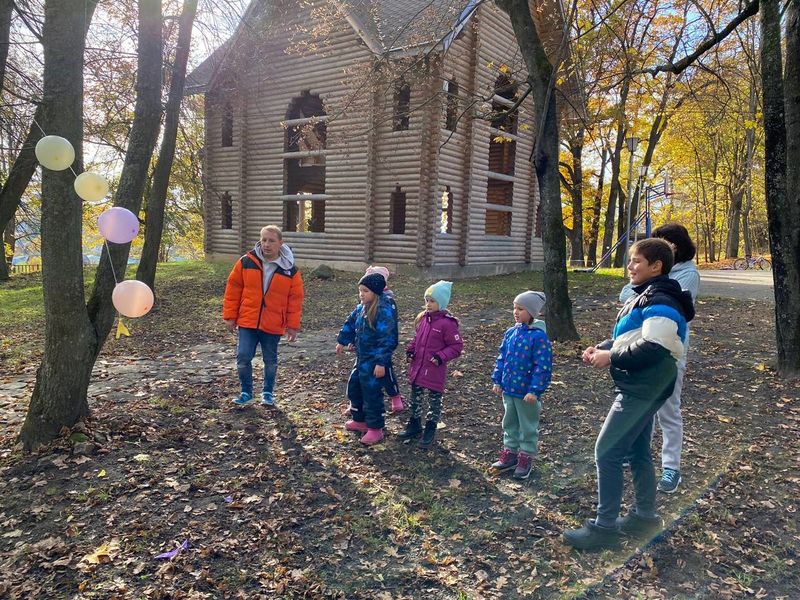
{"x": 637, "y": 526}
{"x": 412, "y": 430}
{"x": 506, "y": 461}
{"x": 428, "y": 435}
{"x": 592, "y": 537}
{"x": 670, "y": 480}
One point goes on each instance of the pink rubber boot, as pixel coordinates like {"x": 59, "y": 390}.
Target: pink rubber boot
{"x": 373, "y": 436}
{"x": 397, "y": 404}
{"x": 356, "y": 426}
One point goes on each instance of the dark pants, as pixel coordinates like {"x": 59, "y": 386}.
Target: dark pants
{"x": 434, "y": 403}
{"x": 389, "y": 382}
{"x": 626, "y": 433}
{"x": 365, "y": 392}
{"x": 249, "y": 339}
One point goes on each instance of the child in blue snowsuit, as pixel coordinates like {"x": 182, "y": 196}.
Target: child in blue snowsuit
{"x": 372, "y": 329}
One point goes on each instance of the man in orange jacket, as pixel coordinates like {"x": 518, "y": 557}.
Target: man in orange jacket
{"x": 263, "y": 300}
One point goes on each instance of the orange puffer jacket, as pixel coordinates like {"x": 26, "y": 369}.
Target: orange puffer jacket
{"x": 280, "y": 308}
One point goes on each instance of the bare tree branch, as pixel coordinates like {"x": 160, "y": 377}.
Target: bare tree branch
{"x": 749, "y": 10}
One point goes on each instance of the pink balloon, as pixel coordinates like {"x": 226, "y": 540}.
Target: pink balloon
{"x": 118, "y": 225}
{"x": 132, "y": 298}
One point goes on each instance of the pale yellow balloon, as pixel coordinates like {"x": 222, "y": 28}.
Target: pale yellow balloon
{"x": 132, "y": 298}
{"x": 55, "y": 152}
{"x": 91, "y": 187}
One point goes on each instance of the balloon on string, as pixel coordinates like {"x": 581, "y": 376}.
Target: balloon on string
{"x": 55, "y": 152}
{"x": 91, "y": 187}
{"x": 132, "y": 298}
{"x": 118, "y": 225}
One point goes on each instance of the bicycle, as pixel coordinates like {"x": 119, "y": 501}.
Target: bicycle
{"x": 752, "y": 262}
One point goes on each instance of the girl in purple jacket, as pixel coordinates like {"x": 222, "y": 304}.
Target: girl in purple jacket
{"x": 436, "y": 342}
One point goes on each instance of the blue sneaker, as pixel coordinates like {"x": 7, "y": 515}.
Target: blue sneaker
{"x": 267, "y": 399}
{"x": 670, "y": 480}
{"x": 243, "y": 399}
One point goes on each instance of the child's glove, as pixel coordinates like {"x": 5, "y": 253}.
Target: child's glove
{"x": 437, "y": 359}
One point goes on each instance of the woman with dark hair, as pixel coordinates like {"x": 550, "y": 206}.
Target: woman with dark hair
{"x": 684, "y": 271}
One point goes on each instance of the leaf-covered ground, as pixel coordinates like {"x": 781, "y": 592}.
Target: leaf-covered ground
{"x": 283, "y": 503}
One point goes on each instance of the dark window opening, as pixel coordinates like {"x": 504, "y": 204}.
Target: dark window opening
{"x": 402, "y": 106}
{"x": 304, "y": 173}
{"x": 397, "y": 211}
{"x": 447, "y": 211}
{"x": 227, "y": 125}
{"x": 304, "y": 216}
{"x": 451, "y": 112}
{"x": 226, "y": 210}
{"x": 499, "y": 192}
{"x": 502, "y": 155}
{"x": 501, "y": 117}
{"x": 498, "y": 223}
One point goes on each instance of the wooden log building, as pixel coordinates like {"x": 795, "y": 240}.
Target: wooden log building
{"x": 372, "y": 132}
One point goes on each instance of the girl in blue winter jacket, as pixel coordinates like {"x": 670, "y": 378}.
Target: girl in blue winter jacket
{"x": 372, "y": 329}
{"x": 522, "y": 373}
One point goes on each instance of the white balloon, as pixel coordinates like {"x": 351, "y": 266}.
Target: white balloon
{"x": 132, "y": 298}
{"x": 91, "y": 187}
{"x": 55, "y": 152}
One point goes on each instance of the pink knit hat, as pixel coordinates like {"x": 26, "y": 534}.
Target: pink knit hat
{"x": 380, "y": 270}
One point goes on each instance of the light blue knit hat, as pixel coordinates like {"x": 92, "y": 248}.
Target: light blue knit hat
{"x": 440, "y": 291}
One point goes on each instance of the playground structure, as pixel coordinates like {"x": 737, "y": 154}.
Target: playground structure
{"x": 651, "y": 193}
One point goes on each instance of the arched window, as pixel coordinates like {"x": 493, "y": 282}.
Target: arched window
{"x": 304, "y": 164}
{"x": 226, "y": 210}
{"x": 447, "y": 211}
{"x": 227, "y": 125}
{"x": 451, "y": 106}
{"x": 502, "y": 157}
{"x": 397, "y": 211}
{"x": 402, "y": 106}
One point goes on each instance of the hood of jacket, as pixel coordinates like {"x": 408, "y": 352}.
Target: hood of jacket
{"x": 665, "y": 286}
{"x": 285, "y": 258}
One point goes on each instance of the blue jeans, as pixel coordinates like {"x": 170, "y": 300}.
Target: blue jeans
{"x": 249, "y": 339}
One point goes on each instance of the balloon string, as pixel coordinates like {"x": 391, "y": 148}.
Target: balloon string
{"x": 45, "y": 135}
{"x": 110, "y": 261}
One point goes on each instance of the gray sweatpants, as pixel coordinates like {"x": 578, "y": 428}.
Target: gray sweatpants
{"x": 671, "y": 422}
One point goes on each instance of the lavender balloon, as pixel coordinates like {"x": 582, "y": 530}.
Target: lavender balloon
{"x": 118, "y": 225}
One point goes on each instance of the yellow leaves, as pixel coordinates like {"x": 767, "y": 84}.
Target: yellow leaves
{"x": 501, "y": 139}
{"x": 104, "y": 553}
{"x": 102, "y": 473}
{"x": 724, "y": 419}
{"x": 504, "y": 69}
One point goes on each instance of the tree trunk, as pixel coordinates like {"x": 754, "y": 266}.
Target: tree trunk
{"x": 59, "y": 395}
{"x": 142, "y": 139}
{"x": 594, "y": 227}
{"x": 782, "y": 173}
{"x": 576, "y": 241}
{"x": 616, "y": 157}
{"x": 75, "y": 332}
{"x": 560, "y": 324}
{"x": 9, "y": 240}
{"x": 154, "y": 223}
{"x": 6, "y": 8}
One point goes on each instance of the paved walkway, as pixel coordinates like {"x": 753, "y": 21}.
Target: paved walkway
{"x": 742, "y": 285}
